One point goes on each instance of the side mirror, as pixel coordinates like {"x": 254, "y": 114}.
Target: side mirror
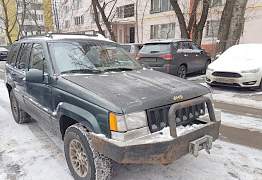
{"x": 34, "y": 76}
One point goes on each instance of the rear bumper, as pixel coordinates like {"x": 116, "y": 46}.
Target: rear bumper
{"x": 159, "y": 147}
{"x": 153, "y": 153}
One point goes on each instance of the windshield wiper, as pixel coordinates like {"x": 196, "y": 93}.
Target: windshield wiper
{"x": 119, "y": 69}
{"x": 93, "y": 71}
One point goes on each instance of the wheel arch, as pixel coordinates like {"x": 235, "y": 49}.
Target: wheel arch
{"x": 69, "y": 114}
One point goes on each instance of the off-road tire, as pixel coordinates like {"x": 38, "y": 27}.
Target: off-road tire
{"x": 182, "y": 71}
{"x": 19, "y": 115}
{"x": 99, "y": 166}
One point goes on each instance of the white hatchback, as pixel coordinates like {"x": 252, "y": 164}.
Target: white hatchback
{"x": 239, "y": 66}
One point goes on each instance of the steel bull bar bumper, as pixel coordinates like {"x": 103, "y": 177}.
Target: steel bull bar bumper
{"x": 163, "y": 150}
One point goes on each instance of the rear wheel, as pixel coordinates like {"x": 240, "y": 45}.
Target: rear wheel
{"x": 182, "y": 71}
{"x": 82, "y": 159}
{"x": 19, "y": 115}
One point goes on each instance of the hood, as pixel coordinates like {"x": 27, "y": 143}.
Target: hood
{"x": 138, "y": 90}
{"x": 233, "y": 65}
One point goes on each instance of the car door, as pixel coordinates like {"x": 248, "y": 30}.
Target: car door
{"x": 185, "y": 54}
{"x": 200, "y": 57}
{"x": 39, "y": 94}
{"x": 18, "y": 72}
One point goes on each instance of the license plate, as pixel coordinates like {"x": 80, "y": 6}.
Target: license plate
{"x": 224, "y": 80}
{"x": 204, "y": 142}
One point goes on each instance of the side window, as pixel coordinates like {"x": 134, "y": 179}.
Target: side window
{"x": 37, "y": 60}
{"x": 22, "y": 58}
{"x": 13, "y": 54}
{"x": 195, "y": 47}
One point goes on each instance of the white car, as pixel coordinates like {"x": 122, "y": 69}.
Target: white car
{"x": 239, "y": 66}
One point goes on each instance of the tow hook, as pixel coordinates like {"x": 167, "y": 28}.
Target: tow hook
{"x": 197, "y": 145}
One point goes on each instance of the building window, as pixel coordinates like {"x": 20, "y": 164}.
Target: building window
{"x": 212, "y": 27}
{"x": 79, "y": 20}
{"x": 77, "y": 4}
{"x": 214, "y": 3}
{"x": 160, "y": 6}
{"x": 162, "y": 31}
{"x": 126, "y": 11}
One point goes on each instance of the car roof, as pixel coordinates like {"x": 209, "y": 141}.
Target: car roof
{"x": 153, "y": 41}
{"x": 65, "y": 36}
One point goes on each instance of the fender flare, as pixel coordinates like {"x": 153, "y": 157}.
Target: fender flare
{"x": 78, "y": 114}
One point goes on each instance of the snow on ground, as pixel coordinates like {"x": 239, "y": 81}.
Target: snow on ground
{"x": 230, "y": 98}
{"x": 28, "y": 153}
{"x": 244, "y": 122}
{"x": 226, "y": 161}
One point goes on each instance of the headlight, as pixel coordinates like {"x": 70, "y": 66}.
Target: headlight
{"x": 127, "y": 122}
{"x": 251, "y": 71}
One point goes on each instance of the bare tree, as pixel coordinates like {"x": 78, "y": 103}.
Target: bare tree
{"x": 9, "y": 22}
{"x": 96, "y": 17}
{"x": 107, "y": 19}
{"x": 231, "y": 24}
{"x": 194, "y": 27}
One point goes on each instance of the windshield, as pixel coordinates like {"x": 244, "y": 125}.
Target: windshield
{"x": 82, "y": 56}
{"x": 156, "y": 48}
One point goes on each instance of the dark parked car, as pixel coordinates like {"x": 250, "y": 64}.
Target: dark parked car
{"x": 177, "y": 57}
{"x": 104, "y": 105}
{"x": 3, "y": 54}
{"x": 132, "y": 48}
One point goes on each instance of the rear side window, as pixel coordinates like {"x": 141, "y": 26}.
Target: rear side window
{"x": 23, "y": 56}
{"x": 156, "y": 48}
{"x": 13, "y": 54}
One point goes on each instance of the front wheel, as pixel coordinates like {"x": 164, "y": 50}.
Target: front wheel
{"x": 182, "y": 71}
{"x": 83, "y": 161}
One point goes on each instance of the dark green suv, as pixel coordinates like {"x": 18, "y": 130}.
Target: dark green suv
{"x": 104, "y": 105}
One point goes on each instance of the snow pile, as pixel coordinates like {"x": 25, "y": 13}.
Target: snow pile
{"x": 244, "y": 122}
{"x": 182, "y": 130}
{"x": 230, "y": 99}
{"x": 226, "y": 161}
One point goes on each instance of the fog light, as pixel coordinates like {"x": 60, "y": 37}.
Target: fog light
{"x": 250, "y": 83}
{"x": 208, "y": 80}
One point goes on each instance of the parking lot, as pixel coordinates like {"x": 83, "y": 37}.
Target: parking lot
{"x": 28, "y": 152}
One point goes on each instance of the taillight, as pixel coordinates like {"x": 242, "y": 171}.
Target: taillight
{"x": 167, "y": 56}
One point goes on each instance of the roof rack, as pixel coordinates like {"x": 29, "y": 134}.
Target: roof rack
{"x": 93, "y": 33}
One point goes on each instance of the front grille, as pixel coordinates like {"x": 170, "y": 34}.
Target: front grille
{"x": 226, "y": 74}
{"x": 158, "y": 117}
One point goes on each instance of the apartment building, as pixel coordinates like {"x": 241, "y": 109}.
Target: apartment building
{"x": 142, "y": 20}
{"x": 131, "y": 22}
